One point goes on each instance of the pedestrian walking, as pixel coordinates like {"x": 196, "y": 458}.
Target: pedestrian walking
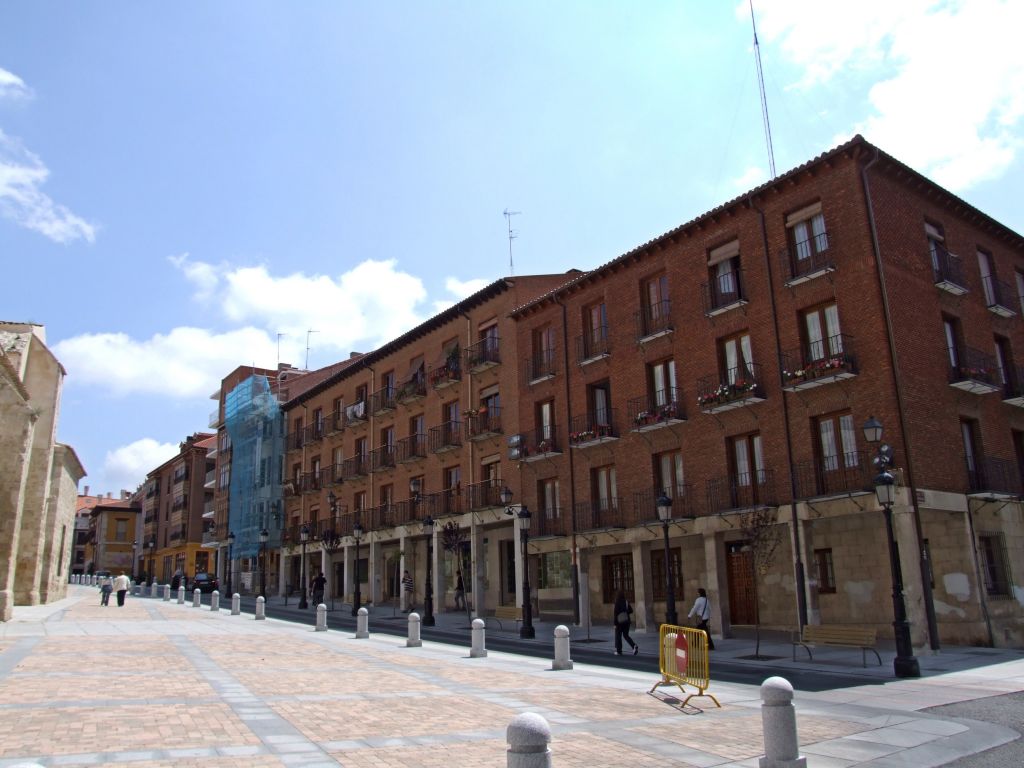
{"x": 623, "y": 616}
{"x": 460, "y": 591}
{"x": 408, "y": 586}
{"x": 106, "y": 587}
{"x": 121, "y": 584}
{"x": 702, "y": 610}
{"x": 319, "y": 583}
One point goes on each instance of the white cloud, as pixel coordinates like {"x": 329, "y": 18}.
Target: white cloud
{"x": 464, "y": 288}
{"x": 22, "y": 174}
{"x": 125, "y": 467}
{"x": 750, "y": 178}
{"x": 203, "y": 276}
{"x": 12, "y": 86}
{"x": 946, "y": 79}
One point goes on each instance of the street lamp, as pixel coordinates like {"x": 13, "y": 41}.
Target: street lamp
{"x": 665, "y": 514}
{"x": 357, "y": 534}
{"x": 526, "y": 631}
{"x": 303, "y": 537}
{"x": 231, "y": 546}
{"x": 330, "y": 541}
{"x": 904, "y": 665}
{"x": 264, "y": 536}
{"x": 152, "y": 560}
{"x": 428, "y": 599}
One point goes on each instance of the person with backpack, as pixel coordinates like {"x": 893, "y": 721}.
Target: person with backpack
{"x": 702, "y": 610}
{"x": 623, "y": 614}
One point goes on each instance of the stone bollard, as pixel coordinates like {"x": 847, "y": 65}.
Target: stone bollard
{"x": 181, "y": 595}
{"x": 197, "y": 598}
{"x": 167, "y": 593}
{"x": 236, "y": 604}
{"x": 363, "y": 624}
{"x": 528, "y": 736}
{"x": 477, "y": 649}
{"x": 261, "y": 608}
{"x": 152, "y": 588}
{"x": 778, "y": 721}
{"x": 136, "y": 590}
{"x": 215, "y": 600}
{"x": 414, "y": 641}
{"x": 562, "y": 660}
{"x": 321, "y": 618}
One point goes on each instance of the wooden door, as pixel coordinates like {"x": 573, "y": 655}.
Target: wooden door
{"x": 740, "y": 565}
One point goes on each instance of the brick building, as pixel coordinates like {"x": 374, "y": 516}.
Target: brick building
{"x": 113, "y": 535}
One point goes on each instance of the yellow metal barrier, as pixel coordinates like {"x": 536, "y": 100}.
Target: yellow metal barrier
{"x": 683, "y": 659}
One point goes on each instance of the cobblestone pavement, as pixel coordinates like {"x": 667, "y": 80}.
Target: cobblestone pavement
{"x": 155, "y": 683}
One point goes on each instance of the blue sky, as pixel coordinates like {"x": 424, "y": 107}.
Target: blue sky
{"x": 181, "y": 182}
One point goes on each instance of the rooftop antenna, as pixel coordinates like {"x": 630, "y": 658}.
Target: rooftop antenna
{"x": 512, "y": 235}
{"x": 764, "y": 99}
{"x": 310, "y": 331}
{"x": 279, "y": 349}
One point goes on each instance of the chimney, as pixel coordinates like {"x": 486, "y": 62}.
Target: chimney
{"x": 110, "y": 495}
{"x": 86, "y": 493}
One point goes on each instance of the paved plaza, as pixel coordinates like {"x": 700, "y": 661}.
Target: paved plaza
{"x": 160, "y": 684}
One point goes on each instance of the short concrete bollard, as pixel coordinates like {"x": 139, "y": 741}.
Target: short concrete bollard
{"x": 362, "y": 624}
{"x": 153, "y": 588}
{"x": 181, "y": 595}
{"x": 215, "y": 600}
{"x": 414, "y": 641}
{"x": 261, "y": 608}
{"x": 236, "y": 604}
{"x": 528, "y": 737}
{"x": 478, "y": 650}
{"x": 136, "y": 590}
{"x": 321, "y": 618}
{"x": 167, "y": 593}
{"x": 197, "y": 598}
{"x": 778, "y": 720}
{"x": 562, "y": 660}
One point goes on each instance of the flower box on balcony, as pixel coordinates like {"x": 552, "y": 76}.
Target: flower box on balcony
{"x": 592, "y": 435}
{"x": 725, "y": 397}
{"x": 659, "y": 416}
{"x": 816, "y": 373}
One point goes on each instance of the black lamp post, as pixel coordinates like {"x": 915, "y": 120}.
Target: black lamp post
{"x": 231, "y": 546}
{"x": 330, "y": 541}
{"x": 428, "y": 599}
{"x": 303, "y": 537}
{"x": 526, "y": 631}
{"x": 904, "y": 665}
{"x": 665, "y": 514}
{"x": 357, "y": 534}
{"x": 264, "y": 536}
{"x": 152, "y": 560}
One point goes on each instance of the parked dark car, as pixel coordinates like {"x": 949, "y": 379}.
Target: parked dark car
{"x": 205, "y": 582}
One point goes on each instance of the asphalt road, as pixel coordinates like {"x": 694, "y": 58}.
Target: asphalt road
{"x": 1005, "y": 710}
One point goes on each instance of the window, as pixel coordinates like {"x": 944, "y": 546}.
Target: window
{"x": 736, "y": 358}
{"x": 360, "y": 447}
{"x": 661, "y": 382}
{"x": 359, "y": 501}
{"x": 452, "y": 478}
{"x": 555, "y": 570}
{"x": 120, "y": 530}
{"x": 543, "y": 362}
{"x": 546, "y": 420}
{"x": 386, "y": 495}
{"x": 1004, "y": 361}
{"x": 837, "y": 442}
{"x": 656, "y": 309}
{"x": 616, "y": 574}
{"x": 951, "y": 329}
{"x": 450, "y": 411}
{"x": 994, "y": 566}
{"x": 361, "y": 393}
{"x": 599, "y": 404}
{"x": 972, "y": 451}
{"x": 387, "y": 437}
{"x": 747, "y": 460}
{"x": 822, "y": 337}
{"x": 339, "y": 457}
{"x": 658, "y": 591}
{"x": 724, "y": 275}
{"x": 547, "y": 494}
{"x": 388, "y": 382}
{"x": 417, "y": 425}
{"x": 987, "y": 278}
{"x": 314, "y": 468}
{"x": 825, "y": 573}
{"x": 807, "y": 236}
{"x": 1019, "y": 280}
{"x": 937, "y": 248}
{"x": 595, "y": 330}
{"x": 225, "y": 475}
{"x": 604, "y": 489}
{"x": 668, "y": 474}
{"x": 318, "y": 422}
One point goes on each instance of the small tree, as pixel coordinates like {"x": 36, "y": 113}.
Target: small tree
{"x": 761, "y": 530}
{"x": 452, "y": 539}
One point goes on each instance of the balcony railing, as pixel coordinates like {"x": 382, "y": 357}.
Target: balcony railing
{"x": 332, "y": 474}
{"x": 355, "y": 414}
{"x": 739, "y": 386}
{"x": 948, "y": 270}
{"x": 724, "y": 292}
{"x": 382, "y": 458}
{"x": 179, "y": 504}
{"x": 539, "y": 443}
{"x": 541, "y": 365}
{"x": 334, "y": 527}
{"x": 483, "y": 355}
{"x": 211, "y": 479}
{"x": 1013, "y": 389}
{"x": 214, "y": 421}
{"x": 549, "y": 522}
{"x": 335, "y": 422}
{"x": 654, "y": 319}
{"x": 444, "y": 503}
{"x": 382, "y": 516}
{"x": 383, "y": 400}
{"x": 808, "y": 259}
{"x": 599, "y": 514}
{"x": 657, "y": 409}
{"x": 313, "y": 432}
{"x": 588, "y": 429}
{"x": 310, "y": 482}
{"x": 593, "y": 344}
{"x": 446, "y": 437}
{"x": 974, "y": 372}
{"x": 412, "y": 389}
{"x": 834, "y": 476}
{"x": 354, "y": 467}
{"x": 446, "y": 373}
{"x": 744, "y": 490}
{"x": 990, "y": 476}
{"x": 486, "y": 422}
{"x": 412, "y": 448}
{"x": 684, "y": 506}
{"x": 296, "y": 440}
{"x": 483, "y": 494}
{"x": 999, "y": 296}
{"x": 822, "y": 362}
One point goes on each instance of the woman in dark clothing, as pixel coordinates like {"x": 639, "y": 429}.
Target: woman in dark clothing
{"x": 623, "y": 615}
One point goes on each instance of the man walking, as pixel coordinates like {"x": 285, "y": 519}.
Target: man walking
{"x": 121, "y": 584}
{"x": 408, "y": 585}
{"x": 318, "y": 588}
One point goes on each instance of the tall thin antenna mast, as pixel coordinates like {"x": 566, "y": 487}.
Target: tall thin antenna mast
{"x": 310, "y": 331}
{"x": 764, "y": 98}
{"x": 512, "y": 235}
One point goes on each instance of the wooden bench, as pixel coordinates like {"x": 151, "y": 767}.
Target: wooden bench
{"x": 838, "y": 635}
{"x": 507, "y": 612}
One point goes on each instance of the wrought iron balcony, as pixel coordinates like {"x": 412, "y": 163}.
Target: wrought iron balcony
{"x": 333, "y": 528}
{"x": 999, "y": 297}
{"x": 745, "y": 490}
{"x": 550, "y": 522}
{"x": 538, "y": 444}
{"x": 179, "y": 504}
{"x": 834, "y": 476}
{"x": 975, "y": 372}
{"x": 355, "y": 414}
{"x": 654, "y": 320}
{"x": 655, "y": 410}
{"x": 739, "y": 387}
{"x": 313, "y": 432}
{"x": 592, "y": 345}
{"x": 382, "y": 401}
{"x": 412, "y": 389}
{"x": 483, "y": 355}
{"x": 296, "y": 440}
{"x": 484, "y": 494}
{"x": 382, "y": 458}
{"x": 444, "y": 503}
{"x": 723, "y": 293}
{"x": 336, "y": 422}
{"x": 445, "y": 374}
{"x": 1013, "y": 389}
{"x": 589, "y": 429}
{"x": 992, "y": 477}
{"x": 823, "y": 362}
{"x": 332, "y": 474}
{"x": 412, "y": 448}
{"x": 310, "y": 482}
{"x": 355, "y": 467}
{"x": 446, "y": 437}
{"x": 684, "y": 506}
{"x": 948, "y": 270}
{"x": 599, "y": 514}
{"x": 808, "y": 259}
{"x": 485, "y": 422}
{"x": 540, "y": 366}
{"x": 382, "y": 517}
